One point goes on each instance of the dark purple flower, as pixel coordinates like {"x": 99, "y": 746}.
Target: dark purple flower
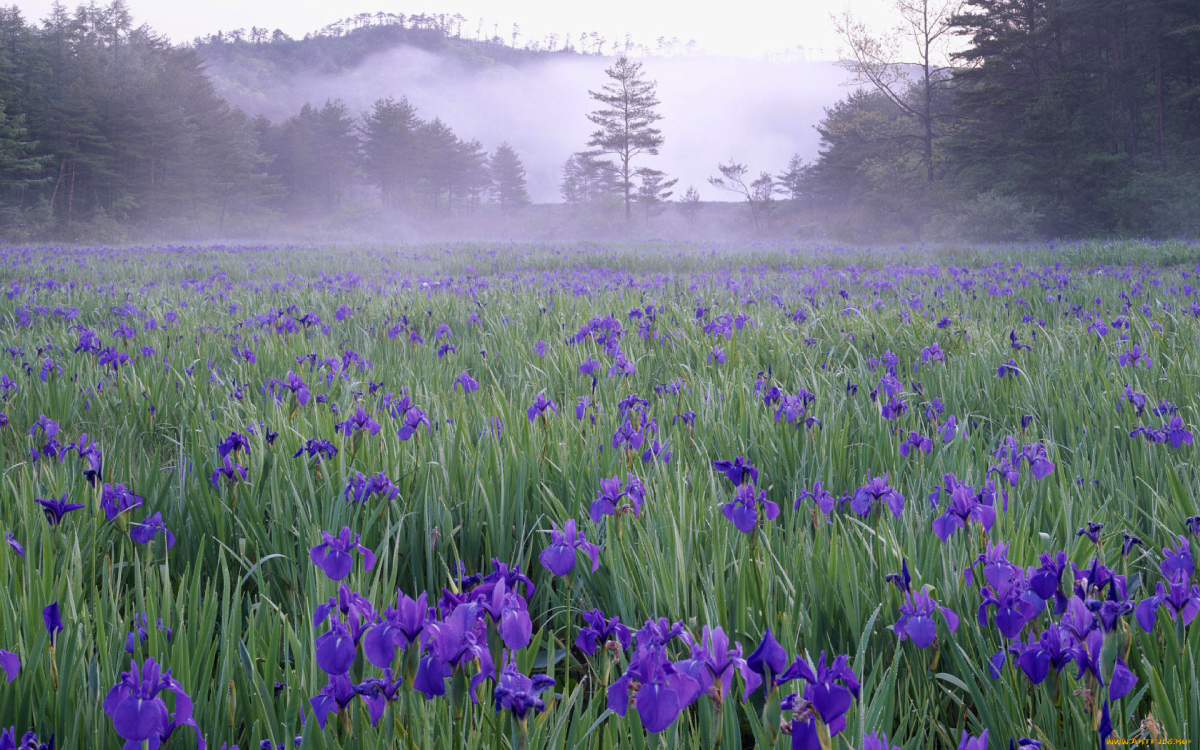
{"x": 743, "y": 510}
{"x": 875, "y": 741}
{"x": 336, "y": 695}
{"x": 231, "y": 471}
{"x": 56, "y": 508}
{"x": 819, "y": 495}
{"x": 539, "y": 407}
{"x": 902, "y": 580}
{"x": 662, "y": 691}
{"x": 143, "y": 532}
{"x": 768, "y": 660}
{"x": 413, "y": 418}
{"x": 450, "y": 644}
{"x": 10, "y": 663}
{"x": 360, "y": 420}
{"x": 333, "y": 554}
{"x": 916, "y": 618}
{"x": 234, "y": 443}
{"x": 1180, "y": 599}
{"x": 737, "y": 470}
{"x": 1133, "y": 357}
{"x": 11, "y": 538}
{"x": 399, "y": 627}
{"x": 137, "y": 710}
{"x": 1129, "y": 543}
{"x": 53, "y": 621}
{"x": 823, "y": 700}
{"x": 600, "y": 630}
{"x": 1008, "y": 368}
{"x": 967, "y": 742}
{"x": 608, "y": 498}
{"x": 1092, "y": 532}
{"x": 559, "y": 556}
{"x": 877, "y": 492}
{"x": 317, "y": 447}
{"x": 518, "y": 693}
{"x": 466, "y": 382}
{"x": 917, "y": 442}
{"x": 964, "y": 506}
{"x": 713, "y": 662}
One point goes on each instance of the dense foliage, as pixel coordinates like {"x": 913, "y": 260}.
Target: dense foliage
{"x": 1058, "y": 118}
{"x": 638, "y": 496}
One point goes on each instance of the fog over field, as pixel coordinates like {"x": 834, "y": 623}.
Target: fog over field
{"x": 713, "y": 107}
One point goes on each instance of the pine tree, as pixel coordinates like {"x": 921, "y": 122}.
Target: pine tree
{"x": 508, "y": 178}
{"x": 626, "y": 121}
{"x": 389, "y": 133}
{"x": 20, "y": 169}
{"x": 654, "y": 191}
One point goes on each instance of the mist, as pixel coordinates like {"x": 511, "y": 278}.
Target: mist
{"x": 714, "y": 108}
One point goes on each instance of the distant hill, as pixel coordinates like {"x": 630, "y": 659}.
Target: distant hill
{"x": 714, "y": 108}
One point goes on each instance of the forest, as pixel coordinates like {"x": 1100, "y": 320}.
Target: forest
{"x": 1045, "y": 119}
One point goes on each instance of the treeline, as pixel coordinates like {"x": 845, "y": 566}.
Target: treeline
{"x": 105, "y": 126}
{"x": 1054, "y": 118}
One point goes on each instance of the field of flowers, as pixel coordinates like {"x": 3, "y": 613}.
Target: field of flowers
{"x": 652, "y": 496}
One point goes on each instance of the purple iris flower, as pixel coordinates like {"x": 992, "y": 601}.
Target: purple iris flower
{"x": 1180, "y": 599}
{"x": 1092, "y": 532}
{"x": 317, "y": 447}
{"x": 902, "y": 580}
{"x": 1046, "y": 580}
{"x": 53, "y": 621}
{"x": 743, "y": 510}
{"x": 413, "y": 418}
{"x": 601, "y": 630}
{"x": 510, "y": 612}
{"x": 1008, "y": 368}
{"x": 916, "y": 619}
{"x": 143, "y": 532}
{"x": 737, "y": 471}
{"x": 1135, "y": 356}
{"x": 333, "y": 554}
{"x": 791, "y": 408}
{"x": 768, "y": 660}
{"x": 607, "y": 499}
{"x": 1128, "y": 544}
{"x": 336, "y": 649}
{"x": 377, "y": 693}
{"x": 877, "y": 492}
{"x": 450, "y": 644}
{"x": 518, "y": 693}
{"x": 559, "y": 557}
{"x": 657, "y": 450}
{"x": 823, "y": 699}
{"x": 1039, "y": 463}
{"x": 539, "y": 407}
{"x": 138, "y": 712}
{"x": 540, "y": 348}
{"x": 1176, "y": 434}
{"x": 964, "y": 506}
{"x": 56, "y": 508}
{"x": 917, "y": 442}
{"x": 10, "y": 663}
{"x": 231, "y": 471}
{"x": 1178, "y": 561}
{"x": 663, "y": 690}
{"x": 359, "y": 421}
{"x": 822, "y": 497}
{"x": 589, "y": 367}
{"x": 629, "y": 436}
{"x": 296, "y": 385}
{"x": 48, "y": 426}
{"x": 11, "y": 538}
{"x": 581, "y": 408}
{"x": 399, "y": 627}
{"x": 232, "y": 444}
{"x": 949, "y": 430}
{"x": 713, "y": 662}
{"x": 117, "y": 499}
{"x": 1053, "y": 649}
{"x": 466, "y": 382}
{"x": 139, "y": 634}
{"x": 359, "y": 489}
{"x": 90, "y": 453}
{"x": 336, "y": 695}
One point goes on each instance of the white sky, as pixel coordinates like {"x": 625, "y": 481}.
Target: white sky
{"x": 749, "y": 28}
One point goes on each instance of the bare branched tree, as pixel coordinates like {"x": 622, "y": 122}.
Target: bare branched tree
{"x": 922, "y": 40}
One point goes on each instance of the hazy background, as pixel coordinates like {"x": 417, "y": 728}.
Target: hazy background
{"x": 714, "y": 108}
